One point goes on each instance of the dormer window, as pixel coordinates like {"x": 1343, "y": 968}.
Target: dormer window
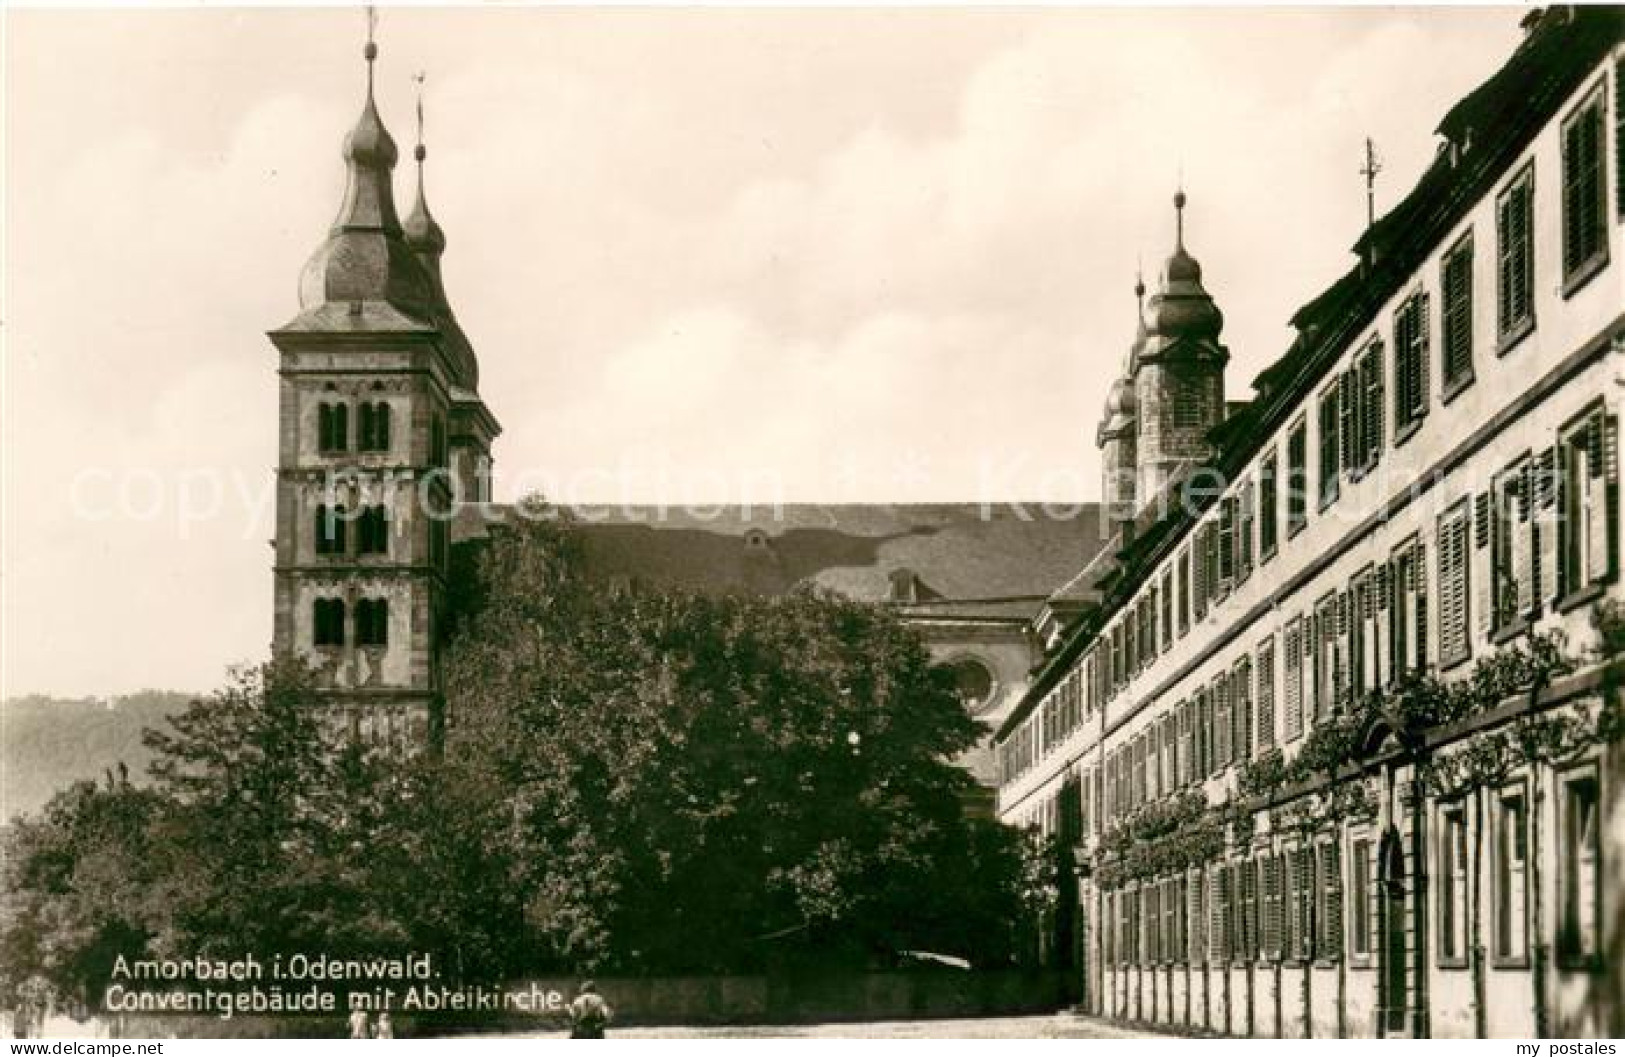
{"x": 905, "y": 587}
{"x": 756, "y": 540}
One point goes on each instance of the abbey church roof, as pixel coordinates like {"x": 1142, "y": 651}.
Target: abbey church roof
{"x": 959, "y": 559}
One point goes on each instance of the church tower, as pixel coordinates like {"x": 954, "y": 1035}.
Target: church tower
{"x": 1117, "y": 436}
{"x": 1179, "y": 373}
{"x": 381, "y": 427}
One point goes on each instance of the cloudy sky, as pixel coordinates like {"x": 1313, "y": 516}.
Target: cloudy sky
{"x": 719, "y": 254}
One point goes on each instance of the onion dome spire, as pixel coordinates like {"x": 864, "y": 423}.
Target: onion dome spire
{"x": 364, "y": 258}
{"x": 427, "y": 242}
{"x": 1182, "y": 307}
{"x": 422, "y": 233}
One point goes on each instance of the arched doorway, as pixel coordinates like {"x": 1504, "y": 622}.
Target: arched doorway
{"x": 1393, "y": 981}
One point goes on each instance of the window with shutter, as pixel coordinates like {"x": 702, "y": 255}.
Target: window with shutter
{"x": 1456, "y": 319}
{"x": 1509, "y": 543}
{"x": 1221, "y": 724}
{"x": 1219, "y": 930}
{"x": 1268, "y": 507}
{"x": 1585, "y": 243}
{"x": 1303, "y": 900}
{"x": 1511, "y": 849}
{"x": 1266, "y": 694}
{"x": 1360, "y": 613}
{"x": 1331, "y": 918}
{"x": 1227, "y": 543}
{"x": 1330, "y": 449}
{"x": 1410, "y": 363}
{"x": 1372, "y": 404}
{"x": 1454, "y": 640}
{"x": 1515, "y": 251}
{"x": 1351, "y": 451}
{"x": 1360, "y": 893}
{"x": 1297, "y": 478}
{"x": 1579, "y": 942}
{"x": 1588, "y": 503}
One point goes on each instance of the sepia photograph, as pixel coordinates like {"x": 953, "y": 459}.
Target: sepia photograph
{"x": 534, "y": 522}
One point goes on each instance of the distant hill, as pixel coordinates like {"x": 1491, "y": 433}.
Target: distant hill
{"x": 47, "y": 743}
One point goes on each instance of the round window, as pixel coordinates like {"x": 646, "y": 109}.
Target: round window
{"x": 974, "y": 683}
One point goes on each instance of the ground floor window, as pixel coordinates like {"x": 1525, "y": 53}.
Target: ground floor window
{"x": 1579, "y": 940}
{"x": 1452, "y": 886}
{"x": 1360, "y": 903}
{"x": 1511, "y": 873}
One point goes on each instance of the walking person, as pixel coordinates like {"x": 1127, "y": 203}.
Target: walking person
{"x": 589, "y": 1013}
{"x": 359, "y": 1025}
{"x": 385, "y": 1028}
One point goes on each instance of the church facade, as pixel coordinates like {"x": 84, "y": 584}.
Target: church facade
{"x": 1287, "y": 792}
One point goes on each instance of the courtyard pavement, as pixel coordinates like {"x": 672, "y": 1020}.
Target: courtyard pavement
{"x": 1055, "y": 1026}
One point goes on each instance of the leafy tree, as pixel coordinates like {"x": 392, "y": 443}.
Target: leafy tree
{"x": 77, "y": 879}
{"x": 698, "y": 783}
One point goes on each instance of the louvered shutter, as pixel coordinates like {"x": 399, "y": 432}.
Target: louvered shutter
{"x": 1332, "y": 880}
{"x": 1341, "y": 683}
{"x": 1422, "y": 365}
{"x": 1482, "y": 574}
{"x": 1199, "y": 588}
{"x": 1221, "y": 724}
{"x": 1292, "y": 662}
{"x": 1195, "y": 934}
{"x": 1419, "y": 612}
{"x": 1347, "y": 408}
{"x": 1546, "y": 525}
{"x": 1523, "y": 555}
{"x": 1381, "y": 625}
{"x": 1373, "y": 404}
{"x": 1452, "y": 589}
{"x": 1601, "y": 481}
{"x": 1266, "y": 696}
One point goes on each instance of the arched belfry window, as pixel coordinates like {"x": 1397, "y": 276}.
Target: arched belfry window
{"x": 374, "y": 423}
{"x": 373, "y": 533}
{"x": 333, "y": 427}
{"x": 330, "y": 529}
{"x": 372, "y": 622}
{"x": 329, "y": 621}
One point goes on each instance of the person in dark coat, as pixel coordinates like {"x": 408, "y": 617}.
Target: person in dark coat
{"x": 589, "y": 1013}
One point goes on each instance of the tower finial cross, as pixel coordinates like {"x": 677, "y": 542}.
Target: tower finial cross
{"x": 371, "y": 50}
{"x": 419, "y": 78}
{"x": 1372, "y": 166}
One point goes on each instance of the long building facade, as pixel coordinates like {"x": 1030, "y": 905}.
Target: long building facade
{"x": 1335, "y": 754}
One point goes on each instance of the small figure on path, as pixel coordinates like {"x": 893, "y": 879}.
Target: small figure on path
{"x": 358, "y": 1024}
{"x": 589, "y": 1013}
{"x": 385, "y": 1028}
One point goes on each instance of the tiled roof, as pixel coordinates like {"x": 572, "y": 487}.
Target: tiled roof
{"x": 1003, "y": 559}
